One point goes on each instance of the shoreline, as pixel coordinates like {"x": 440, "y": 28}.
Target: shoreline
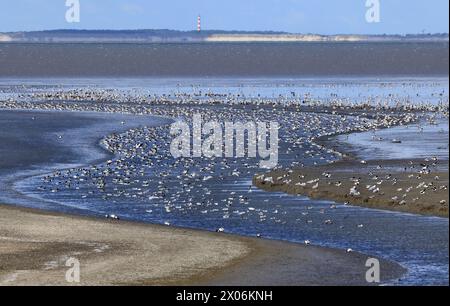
{"x": 390, "y": 198}
{"x": 34, "y": 253}
{"x": 101, "y": 154}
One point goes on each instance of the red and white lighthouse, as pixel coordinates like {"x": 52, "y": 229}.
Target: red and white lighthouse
{"x": 199, "y": 23}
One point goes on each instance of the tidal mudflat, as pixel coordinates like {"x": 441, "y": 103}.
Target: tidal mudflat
{"x": 139, "y": 180}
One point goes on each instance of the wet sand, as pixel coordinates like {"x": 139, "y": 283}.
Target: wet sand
{"x": 386, "y": 188}
{"x": 372, "y": 175}
{"x": 35, "y": 245}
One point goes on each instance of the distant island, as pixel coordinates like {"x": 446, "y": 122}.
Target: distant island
{"x": 173, "y": 36}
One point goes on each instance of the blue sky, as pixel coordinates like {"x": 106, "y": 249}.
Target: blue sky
{"x": 298, "y": 16}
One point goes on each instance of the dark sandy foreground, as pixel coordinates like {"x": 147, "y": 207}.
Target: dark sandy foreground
{"x": 34, "y": 247}
{"x": 398, "y": 185}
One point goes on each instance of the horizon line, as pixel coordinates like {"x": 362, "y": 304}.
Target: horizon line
{"x": 219, "y": 30}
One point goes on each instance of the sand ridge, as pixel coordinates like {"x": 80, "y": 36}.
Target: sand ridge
{"x": 397, "y": 185}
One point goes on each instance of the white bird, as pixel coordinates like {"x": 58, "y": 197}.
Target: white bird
{"x": 114, "y": 217}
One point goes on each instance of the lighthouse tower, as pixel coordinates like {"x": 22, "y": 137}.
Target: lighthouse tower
{"x": 199, "y": 23}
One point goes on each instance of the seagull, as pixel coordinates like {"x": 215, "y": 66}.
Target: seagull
{"x": 113, "y": 217}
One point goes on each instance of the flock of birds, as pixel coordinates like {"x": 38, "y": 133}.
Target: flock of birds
{"x": 374, "y": 183}
{"x": 143, "y": 175}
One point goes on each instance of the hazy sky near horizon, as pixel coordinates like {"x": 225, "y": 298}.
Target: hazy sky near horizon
{"x": 297, "y": 16}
